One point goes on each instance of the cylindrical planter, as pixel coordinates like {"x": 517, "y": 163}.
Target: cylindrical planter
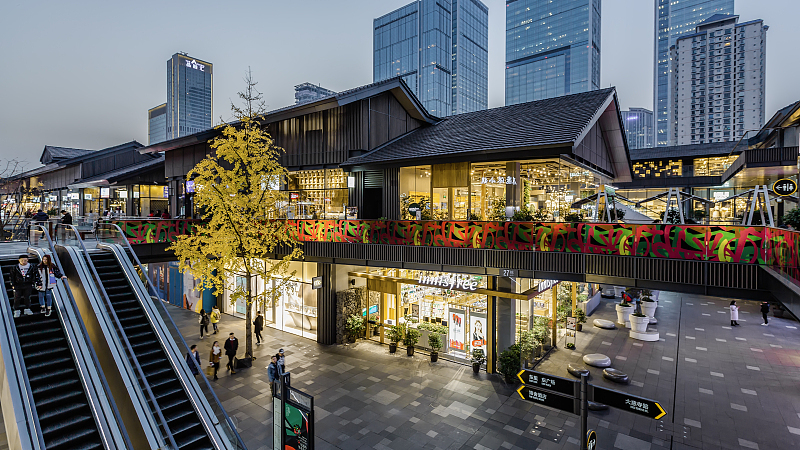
{"x": 410, "y": 350}
{"x": 434, "y": 356}
{"x": 622, "y": 314}
{"x": 639, "y": 324}
{"x": 476, "y": 368}
{"x": 649, "y": 309}
{"x": 392, "y": 347}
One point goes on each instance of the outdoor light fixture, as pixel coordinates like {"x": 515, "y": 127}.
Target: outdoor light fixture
{"x": 351, "y": 182}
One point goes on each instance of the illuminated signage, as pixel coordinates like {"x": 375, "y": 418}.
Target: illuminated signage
{"x": 190, "y": 186}
{"x": 316, "y": 283}
{"x": 166, "y": 191}
{"x": 74, "y": 196}
{"x": 545, "y": 285}
{"x": 721, "y": 195}
{"x": 499, "y": 180}
{"x": 294, "y": 195}
{"x": 87, "y": 196}
{"x": 105, "y": 192}
{"x": 450, "y": 281}
{"x": 784, "y": 187}
{"x": 196, "y": 65}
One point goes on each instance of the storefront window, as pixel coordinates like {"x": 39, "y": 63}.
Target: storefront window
{"x": 92, "y": 204}
{"x": 658, "y": 169}
{"x": 415, "y": 192}
{"x": 713, "y": 166}
{"x": 148, "y": 199}
{"x": 317, "y": 194}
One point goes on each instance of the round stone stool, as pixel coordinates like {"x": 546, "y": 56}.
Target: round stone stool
{"x": 576, "y": 370}
{"x": 617, "y": 376}
{"x": 604, "y": 324}
{"x": 597, "y": 360}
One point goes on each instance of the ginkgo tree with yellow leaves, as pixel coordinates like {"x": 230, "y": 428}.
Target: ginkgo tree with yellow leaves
{"x": 236, "y": 188}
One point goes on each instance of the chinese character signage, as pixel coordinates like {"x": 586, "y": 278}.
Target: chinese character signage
{"x": 499, "y": 180}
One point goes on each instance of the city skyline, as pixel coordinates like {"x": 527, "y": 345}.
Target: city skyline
{"x": 80, "y": 114}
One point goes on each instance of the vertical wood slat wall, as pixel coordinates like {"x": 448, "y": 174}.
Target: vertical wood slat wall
{"x": 326, "y": 306}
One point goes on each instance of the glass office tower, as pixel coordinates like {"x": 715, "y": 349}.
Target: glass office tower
{"x": 552, "y": 48}
{"x": 189, "y": 94}
{"x": 440, "y": 49}
{"x": 638, "y": 127}
{"x": 673, "y": 19}
{"x": 157, "y": 124}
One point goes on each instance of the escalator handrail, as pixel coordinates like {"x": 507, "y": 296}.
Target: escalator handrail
{"x": 151, "y": 288}
{"x": 126, "y": 343}
{"x": 20, "y": 374}
{"x": 87, "y": 342}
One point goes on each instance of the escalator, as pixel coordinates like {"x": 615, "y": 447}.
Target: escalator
{"x": 171, "y": 399}
{"x": 60, "y": 399}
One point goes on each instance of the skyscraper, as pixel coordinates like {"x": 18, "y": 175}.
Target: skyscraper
{"x": 638, "y": 127}
{"x": 718, "y": 81}
{"x": 440, "y": 48}
{"x": 552, "y": 48}
{"x": 189, "y": 94}
{"x": 157, "y": 124}
{"x": 673, "y": 19}
{"x": 307, "y": 92}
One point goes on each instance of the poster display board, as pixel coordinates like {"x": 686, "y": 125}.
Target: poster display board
{"x": 456, "y": 338}
{"x": 477, "y": 329}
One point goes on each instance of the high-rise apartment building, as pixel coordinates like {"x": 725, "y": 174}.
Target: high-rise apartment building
{"x": 638, "y": 127}
{"x": 307, "y": 92}
{"x": 189, "y": 95}
{"x": 552, "y": 48}
{"x": 673, "y": 19}
{"x": 440, "y": 49}
{"x": 157, "y": 124}
{"x": 718, "y": 81}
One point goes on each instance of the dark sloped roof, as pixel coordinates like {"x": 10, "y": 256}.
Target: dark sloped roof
{"x": 54, "y": 154}
{"x": 120, "y": 174}
{"x": 677, "y": 151}
{"x": 552, "y": 122}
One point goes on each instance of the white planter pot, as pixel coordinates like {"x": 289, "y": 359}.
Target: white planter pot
{"x": 649, "y": 308}
{"x": 639, "y": 324}
{"x": 622, "y": 314}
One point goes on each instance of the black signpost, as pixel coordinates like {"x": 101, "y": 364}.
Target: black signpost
{"x": 573, "y": 397}
{"x": 292, "y": 416}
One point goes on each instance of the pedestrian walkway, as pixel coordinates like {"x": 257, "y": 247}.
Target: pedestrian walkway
{"x": 367, "y": 398}
{"x": 722, "y": 386}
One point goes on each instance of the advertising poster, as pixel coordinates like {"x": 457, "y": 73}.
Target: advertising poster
{"x": 296, "y": 429}
{"x": 477, "y": 331}
{"x": 456, "y": 324}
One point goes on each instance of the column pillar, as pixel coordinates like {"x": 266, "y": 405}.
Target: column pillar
{"x": 574, "y": 296}
{"x": 514, "y": 191}
{"x": 506, "y": 315}
{"x": 554, "y": 331}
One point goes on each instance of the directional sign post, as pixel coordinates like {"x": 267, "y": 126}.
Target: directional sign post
{"x": 591, "y": 440}
{"x": 551, "y": 399}
{"x": 627, "y": 402}
{"x": 549, "y": 382}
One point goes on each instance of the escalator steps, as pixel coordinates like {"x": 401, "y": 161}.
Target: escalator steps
{"x": 181, "y": 417}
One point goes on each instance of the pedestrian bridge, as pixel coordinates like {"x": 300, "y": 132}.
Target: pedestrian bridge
{"x": 745, "y": 262}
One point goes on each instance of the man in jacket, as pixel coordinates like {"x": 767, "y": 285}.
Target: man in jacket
{"x": 258, "y": 325}
{"x": 273, "y": 373}
{"x": 66, "y": 218}
{"x": 193, "y": 360}
{"x": 23, "y": 277}
{"x": 40, "y": 216}
{"x": 764, "y": 312}
{"x": 231, "y": 346}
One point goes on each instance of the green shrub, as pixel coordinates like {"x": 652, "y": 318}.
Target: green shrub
{"x": 433, "y": 328}
{"x": 435, "y": 342}
{"x": 510, "y": 360}
{"x": 579, "y": 315}
{"x": 792, "y": 218}
{"x": 527, "y": 344}
{"x": 355, "y": 325}
{"x": 478, "y": 356}
{"x": 411, "y": 338}
{"x": 396, "y": 333}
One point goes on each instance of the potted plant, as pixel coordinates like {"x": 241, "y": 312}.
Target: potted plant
{"x": 580, "y": 318}
{"x": 509, "y": 363}
{"x": 410, "y": 340}
{"x": 435, "y": 343}
{"x": 478, "y": 358}
{"x": 354, "y": 326}
{"x": 648, "y": 305}
{"x": 373, "y": 321}
{"x": 427, "y": 329}
{"x": 395, "y": 335}
{"x": 540, "y": 329}
{"x": 639, "y": 322}
{"x": 624, "y": 309}
{"x": 528, "y": 345}
{"x": 570, "y": 346}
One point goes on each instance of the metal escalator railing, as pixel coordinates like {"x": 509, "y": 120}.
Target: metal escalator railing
{"x": 111, "y": 233}
{"x": 15, "y": 360}
{"x": 35, "y": 240}
{"x": 68, "y": 234}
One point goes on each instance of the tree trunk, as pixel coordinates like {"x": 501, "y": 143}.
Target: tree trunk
{"x": 248, "y": 339}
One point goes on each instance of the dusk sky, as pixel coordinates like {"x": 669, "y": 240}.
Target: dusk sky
{"x": 84, "y": 73}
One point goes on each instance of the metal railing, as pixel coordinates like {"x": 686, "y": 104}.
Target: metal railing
{"x": 111, "y": 233}
{"x": 128, "y": 348}
{"x": 33, "y": 241}
{"x": 17, "y": 363}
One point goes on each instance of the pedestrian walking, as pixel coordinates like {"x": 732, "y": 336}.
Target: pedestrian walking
{"x": 231, "y": 346}
{"x": 214, "y": 357}
{"x": 193, "y": 360}
{"x": 203, "y": 322}
{"x": 273, "y": 373}
{"x": 258, "y": 325}
{"x": 47, "y": 275}
{"x": 23, "y": 278}
{"x": 282, "y": 360}
{"x": 215, "y": 316}
{"x": 764, "y": 312}
{"x": 734, "y": 314}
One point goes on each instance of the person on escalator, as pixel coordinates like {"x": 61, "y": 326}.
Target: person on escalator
{"x": 23, "y": 277}
{"x": 47, "y": 275}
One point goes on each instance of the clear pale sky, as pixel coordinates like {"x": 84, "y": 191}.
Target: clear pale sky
{"x": 84, "y": 73}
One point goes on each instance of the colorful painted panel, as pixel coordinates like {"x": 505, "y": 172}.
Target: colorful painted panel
{"x": 154, "y": 231}
{"x": 671, "y": 241}
{"x": 736, "y": 244}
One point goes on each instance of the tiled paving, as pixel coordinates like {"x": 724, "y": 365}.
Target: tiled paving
{"x": 722, "y": 387}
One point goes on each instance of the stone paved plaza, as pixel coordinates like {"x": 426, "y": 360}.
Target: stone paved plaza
{"x": 722, "y": 388}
